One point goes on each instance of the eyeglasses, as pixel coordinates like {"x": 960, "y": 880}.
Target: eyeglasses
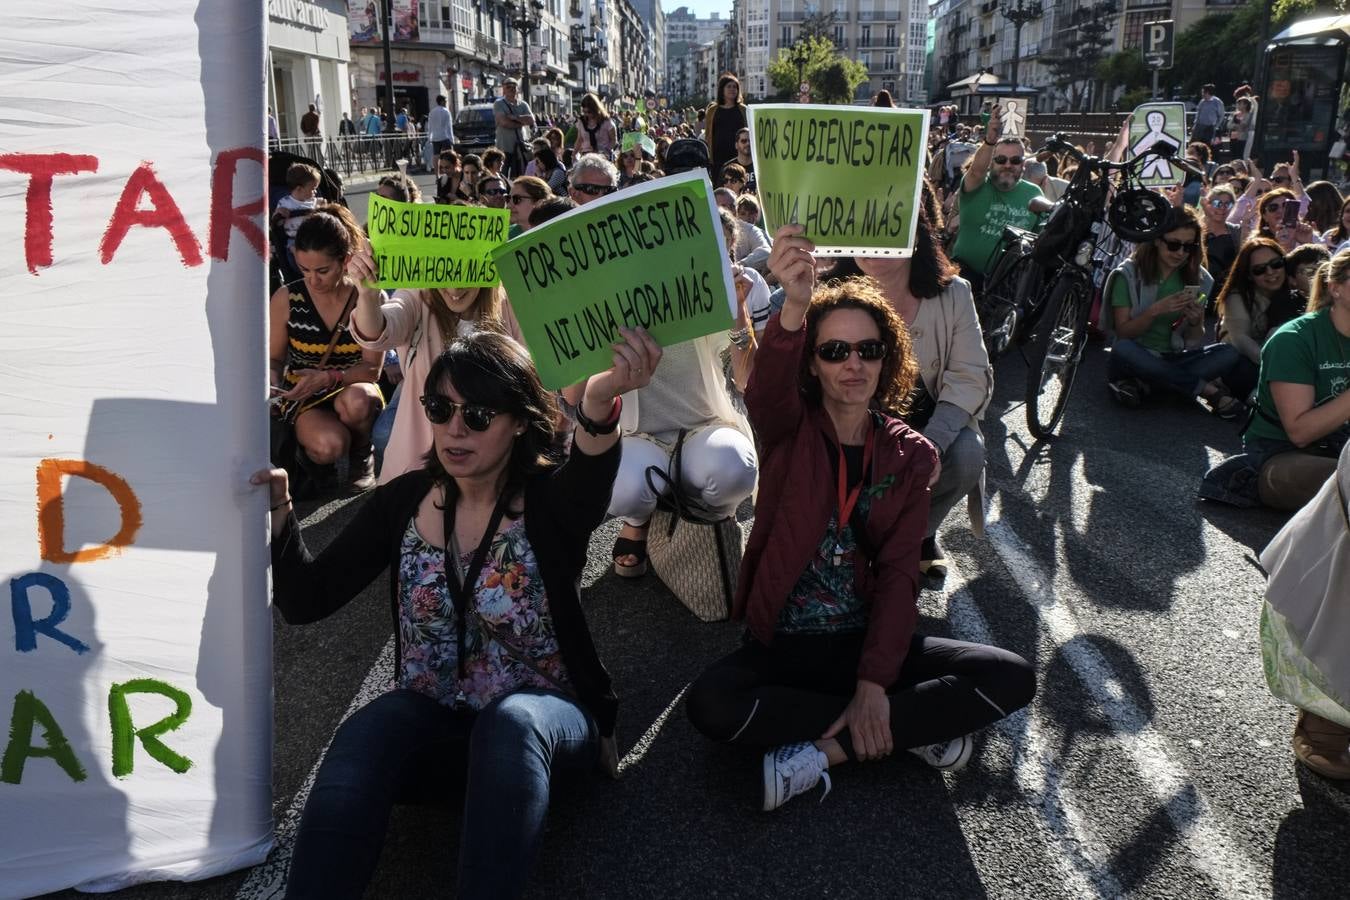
{"x": 1275, "y": 265}
{"x": 494, "y": 192}
{"x": 441, "y": 409}
{"x": 1008, "y": 160}
{"x": 1282, "y": 179}
{"x": 838, "y": 351}
{"x": 517, "y": 199}
{"x": 1221, "y": 204}
{"x": 594, "y": 190}
{"x": 1174, "y": 246}
{"x": 1272, "y": 207}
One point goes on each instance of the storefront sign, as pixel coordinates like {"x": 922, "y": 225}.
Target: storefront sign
{"x": 401, "y": 76}
{"x": 298, "y": 12}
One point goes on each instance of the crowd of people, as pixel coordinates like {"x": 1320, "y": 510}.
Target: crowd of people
{"x": 844, "y": 403}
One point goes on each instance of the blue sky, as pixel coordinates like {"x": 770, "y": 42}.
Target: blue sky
{"x": 700, "y": 8}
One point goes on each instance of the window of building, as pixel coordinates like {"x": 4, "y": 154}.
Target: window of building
{"x": 890, "y": 35}
{"x": 865, "y": 36}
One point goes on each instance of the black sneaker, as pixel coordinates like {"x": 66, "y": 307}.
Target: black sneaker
{"x": 932, "y": 561}
{"x": 1127, "y": 392}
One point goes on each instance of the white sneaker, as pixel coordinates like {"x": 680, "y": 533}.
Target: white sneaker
{"x": 947, "y": 755}
{"x": 793, "y": 769}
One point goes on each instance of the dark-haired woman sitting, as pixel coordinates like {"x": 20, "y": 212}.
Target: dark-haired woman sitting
{"x": 499, "y": 686}
{"x": 1255, "y": 300}
{"x": 322, "y": 380}
{"x": 832, "y": 669}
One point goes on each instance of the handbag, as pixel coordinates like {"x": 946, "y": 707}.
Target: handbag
{"x": 695, "y": 553}
{"x": 289, "y": 410}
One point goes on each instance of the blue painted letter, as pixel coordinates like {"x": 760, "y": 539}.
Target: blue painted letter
{"x": 25, "y": 628}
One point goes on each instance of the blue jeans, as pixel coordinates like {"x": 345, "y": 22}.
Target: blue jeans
{"x": 384, "y": 425}
{"x": 1185, "y": 372}
{"x": 403, "y": 743}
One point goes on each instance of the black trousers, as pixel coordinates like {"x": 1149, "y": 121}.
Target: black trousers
{"x": 794, "y": 690}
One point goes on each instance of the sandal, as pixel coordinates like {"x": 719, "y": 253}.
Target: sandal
{"x": 1225, "y": 406}
{"x": 629, "y": 547}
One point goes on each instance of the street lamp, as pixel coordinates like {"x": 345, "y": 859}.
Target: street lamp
{"x": 1019, "y": 13}
{"x": 583, "y": 49}
{"x": 525, "y": 19}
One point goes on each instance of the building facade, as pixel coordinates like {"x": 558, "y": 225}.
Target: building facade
{"x": 686, "y": 58}
{"x": 308, "y": 57}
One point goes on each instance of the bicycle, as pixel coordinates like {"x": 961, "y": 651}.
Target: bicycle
{"x": 1067, "y": 250}
{"x": 1010, "y": 304}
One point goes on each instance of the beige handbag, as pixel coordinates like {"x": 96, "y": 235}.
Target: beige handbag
{"x": 695, "y": 554}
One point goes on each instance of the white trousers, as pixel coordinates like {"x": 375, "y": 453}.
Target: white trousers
{"x": 717, "y": 466}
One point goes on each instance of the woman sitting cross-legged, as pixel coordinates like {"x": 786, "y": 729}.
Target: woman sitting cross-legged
{"x": 498, "y": 683}
{"x": 831, "y": 669}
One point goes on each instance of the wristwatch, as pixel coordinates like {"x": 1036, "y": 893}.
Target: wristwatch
{"x": 740, "y": 338}
{"x": 606, "y": 427}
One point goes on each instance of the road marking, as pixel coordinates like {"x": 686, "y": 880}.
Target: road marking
{"x": 268, "y": 880}
{"x": 1215, "y": 851}
{"x": 644, "y": 743}
{"x": 1082, "y": 857}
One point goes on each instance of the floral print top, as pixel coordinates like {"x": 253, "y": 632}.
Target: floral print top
{"x": 509, "y": 595}
{"x": 825, "y": 598}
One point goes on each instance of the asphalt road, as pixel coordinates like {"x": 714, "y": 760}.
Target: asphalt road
{"x": 1153, "y": 762}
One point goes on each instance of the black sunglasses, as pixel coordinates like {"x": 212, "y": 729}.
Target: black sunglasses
{"x": 1275, "y": 265}
{"x": 595, "y": 190}
{"x": 1282, "y": 179}
{"x": 838, "y": 351}
{"x": 440, "y": 409}
{"x": 517, "y": 199}
{"x": 1174, "y": 246}
{"x": 1008, "y": 160}
{"x": 494, "y": 192}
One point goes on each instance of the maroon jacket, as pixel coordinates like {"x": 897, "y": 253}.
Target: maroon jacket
{"x": 797, "y": 496}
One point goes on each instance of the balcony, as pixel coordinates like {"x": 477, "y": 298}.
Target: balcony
{"x": 988, "y": 8}
{"x": 888, "y": 15}
{"x": 876, "y": 43}
{"x": 791, "y": 15}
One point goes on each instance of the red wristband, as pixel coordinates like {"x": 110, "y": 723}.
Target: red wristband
{"x": 337, "y": 379}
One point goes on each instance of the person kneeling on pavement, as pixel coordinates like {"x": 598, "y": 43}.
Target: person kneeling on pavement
{"x": 1157, "y": 300}
{"x": 498, "y": 685}
{"x": 831, "y": 669}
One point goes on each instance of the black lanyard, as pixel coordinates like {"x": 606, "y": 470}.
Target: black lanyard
{"x": 462, "y": 592}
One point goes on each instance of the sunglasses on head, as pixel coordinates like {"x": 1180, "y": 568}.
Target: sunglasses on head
{"x": 594, "y": 190}
{"x": 1174, "y": 246}
{"x": 838, "y": 351}
{"x": 441, "y": 409}
{"x": 517, "y": 199}
{"x": 1275, "y": 265}
{"x": 1008, "y": 160}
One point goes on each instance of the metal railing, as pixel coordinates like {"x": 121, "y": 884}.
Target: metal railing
{"x": 359, "y": 154}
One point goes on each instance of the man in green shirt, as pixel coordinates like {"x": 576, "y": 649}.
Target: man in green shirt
{"x": 993, "y": 195}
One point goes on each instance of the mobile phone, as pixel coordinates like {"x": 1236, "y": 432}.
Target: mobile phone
{"x": 1290, "y": 215}
{"x": 1201, "y": 298}
{"x": 984, "y": 117}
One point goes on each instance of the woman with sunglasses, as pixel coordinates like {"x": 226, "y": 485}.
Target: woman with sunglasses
{"x": 498, "y": 685}
{"x": 1157, "y": 302}
{"x": 1302, "y": 415}
{"x": 1254, "y": 301}
{"x": 831, "y": 669}
{"x": 1221, "y": 237}
{"x": 419, "y": 324}
{"x": 527, "y": 192}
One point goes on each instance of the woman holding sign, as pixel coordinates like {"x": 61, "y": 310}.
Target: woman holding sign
{"x": 419, "y": 324}
{"x": 498, "y": 683}
{"x": 832, "y": 670}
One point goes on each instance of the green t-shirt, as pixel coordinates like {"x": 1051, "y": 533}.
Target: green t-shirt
{"x": 1306, "y": 350}
{"x": 984, "y": 212}
{"x": 1159, "y": 335}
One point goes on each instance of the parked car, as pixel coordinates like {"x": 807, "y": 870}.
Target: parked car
{"x": 475, "y": 128}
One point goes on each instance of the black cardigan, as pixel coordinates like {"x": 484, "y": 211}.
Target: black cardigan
{"x": 562, "y": 507}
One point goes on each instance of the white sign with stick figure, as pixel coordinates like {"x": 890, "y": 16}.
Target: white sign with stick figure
{"x": 1014, "y": 110}
{"x": 1154, "y": 126}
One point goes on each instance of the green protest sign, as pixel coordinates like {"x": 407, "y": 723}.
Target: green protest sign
{"x": 652, "y": 255}
{"x": 1158, "y": 125}
{"x": 420, "y": 245}
{"x": 636, "y": 139}
{"x": 852, "y": 175}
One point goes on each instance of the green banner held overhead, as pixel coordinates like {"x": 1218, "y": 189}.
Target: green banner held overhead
{"x": 852, "y": 175}
{"x": 1155, "y": 125}
{"x": 422, "y": 245}
{"x": 652, "y": 256}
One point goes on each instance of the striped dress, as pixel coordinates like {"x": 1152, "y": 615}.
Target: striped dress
{"x": 307, "y": 339}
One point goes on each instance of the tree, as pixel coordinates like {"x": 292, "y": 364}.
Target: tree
{"x": 795, "y": 64}
{"x": 818, "y": 24}
{"x": 1125, "y": 69}
{"x": 837, "y": 80}
{"x": 1223, "y": 50}
{"x": 1090, "y": 32}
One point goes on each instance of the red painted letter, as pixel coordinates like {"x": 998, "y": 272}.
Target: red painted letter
{"x": 163, "y": 213}
{"x": 40, "y": 169}
{"x": 225, "y": 216}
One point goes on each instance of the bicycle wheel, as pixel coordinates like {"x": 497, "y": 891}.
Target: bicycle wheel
{"x": 1000, "y": 305}
{"x": 1056, "y": 350}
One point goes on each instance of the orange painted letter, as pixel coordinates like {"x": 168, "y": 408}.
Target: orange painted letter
{"x": 51, "y": 512}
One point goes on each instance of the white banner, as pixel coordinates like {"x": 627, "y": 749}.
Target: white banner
{"x": 135, "y": 665}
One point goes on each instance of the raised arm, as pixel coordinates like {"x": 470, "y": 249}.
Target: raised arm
{"x": 771, "y": 397}
{"x": 979, "y": 163}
